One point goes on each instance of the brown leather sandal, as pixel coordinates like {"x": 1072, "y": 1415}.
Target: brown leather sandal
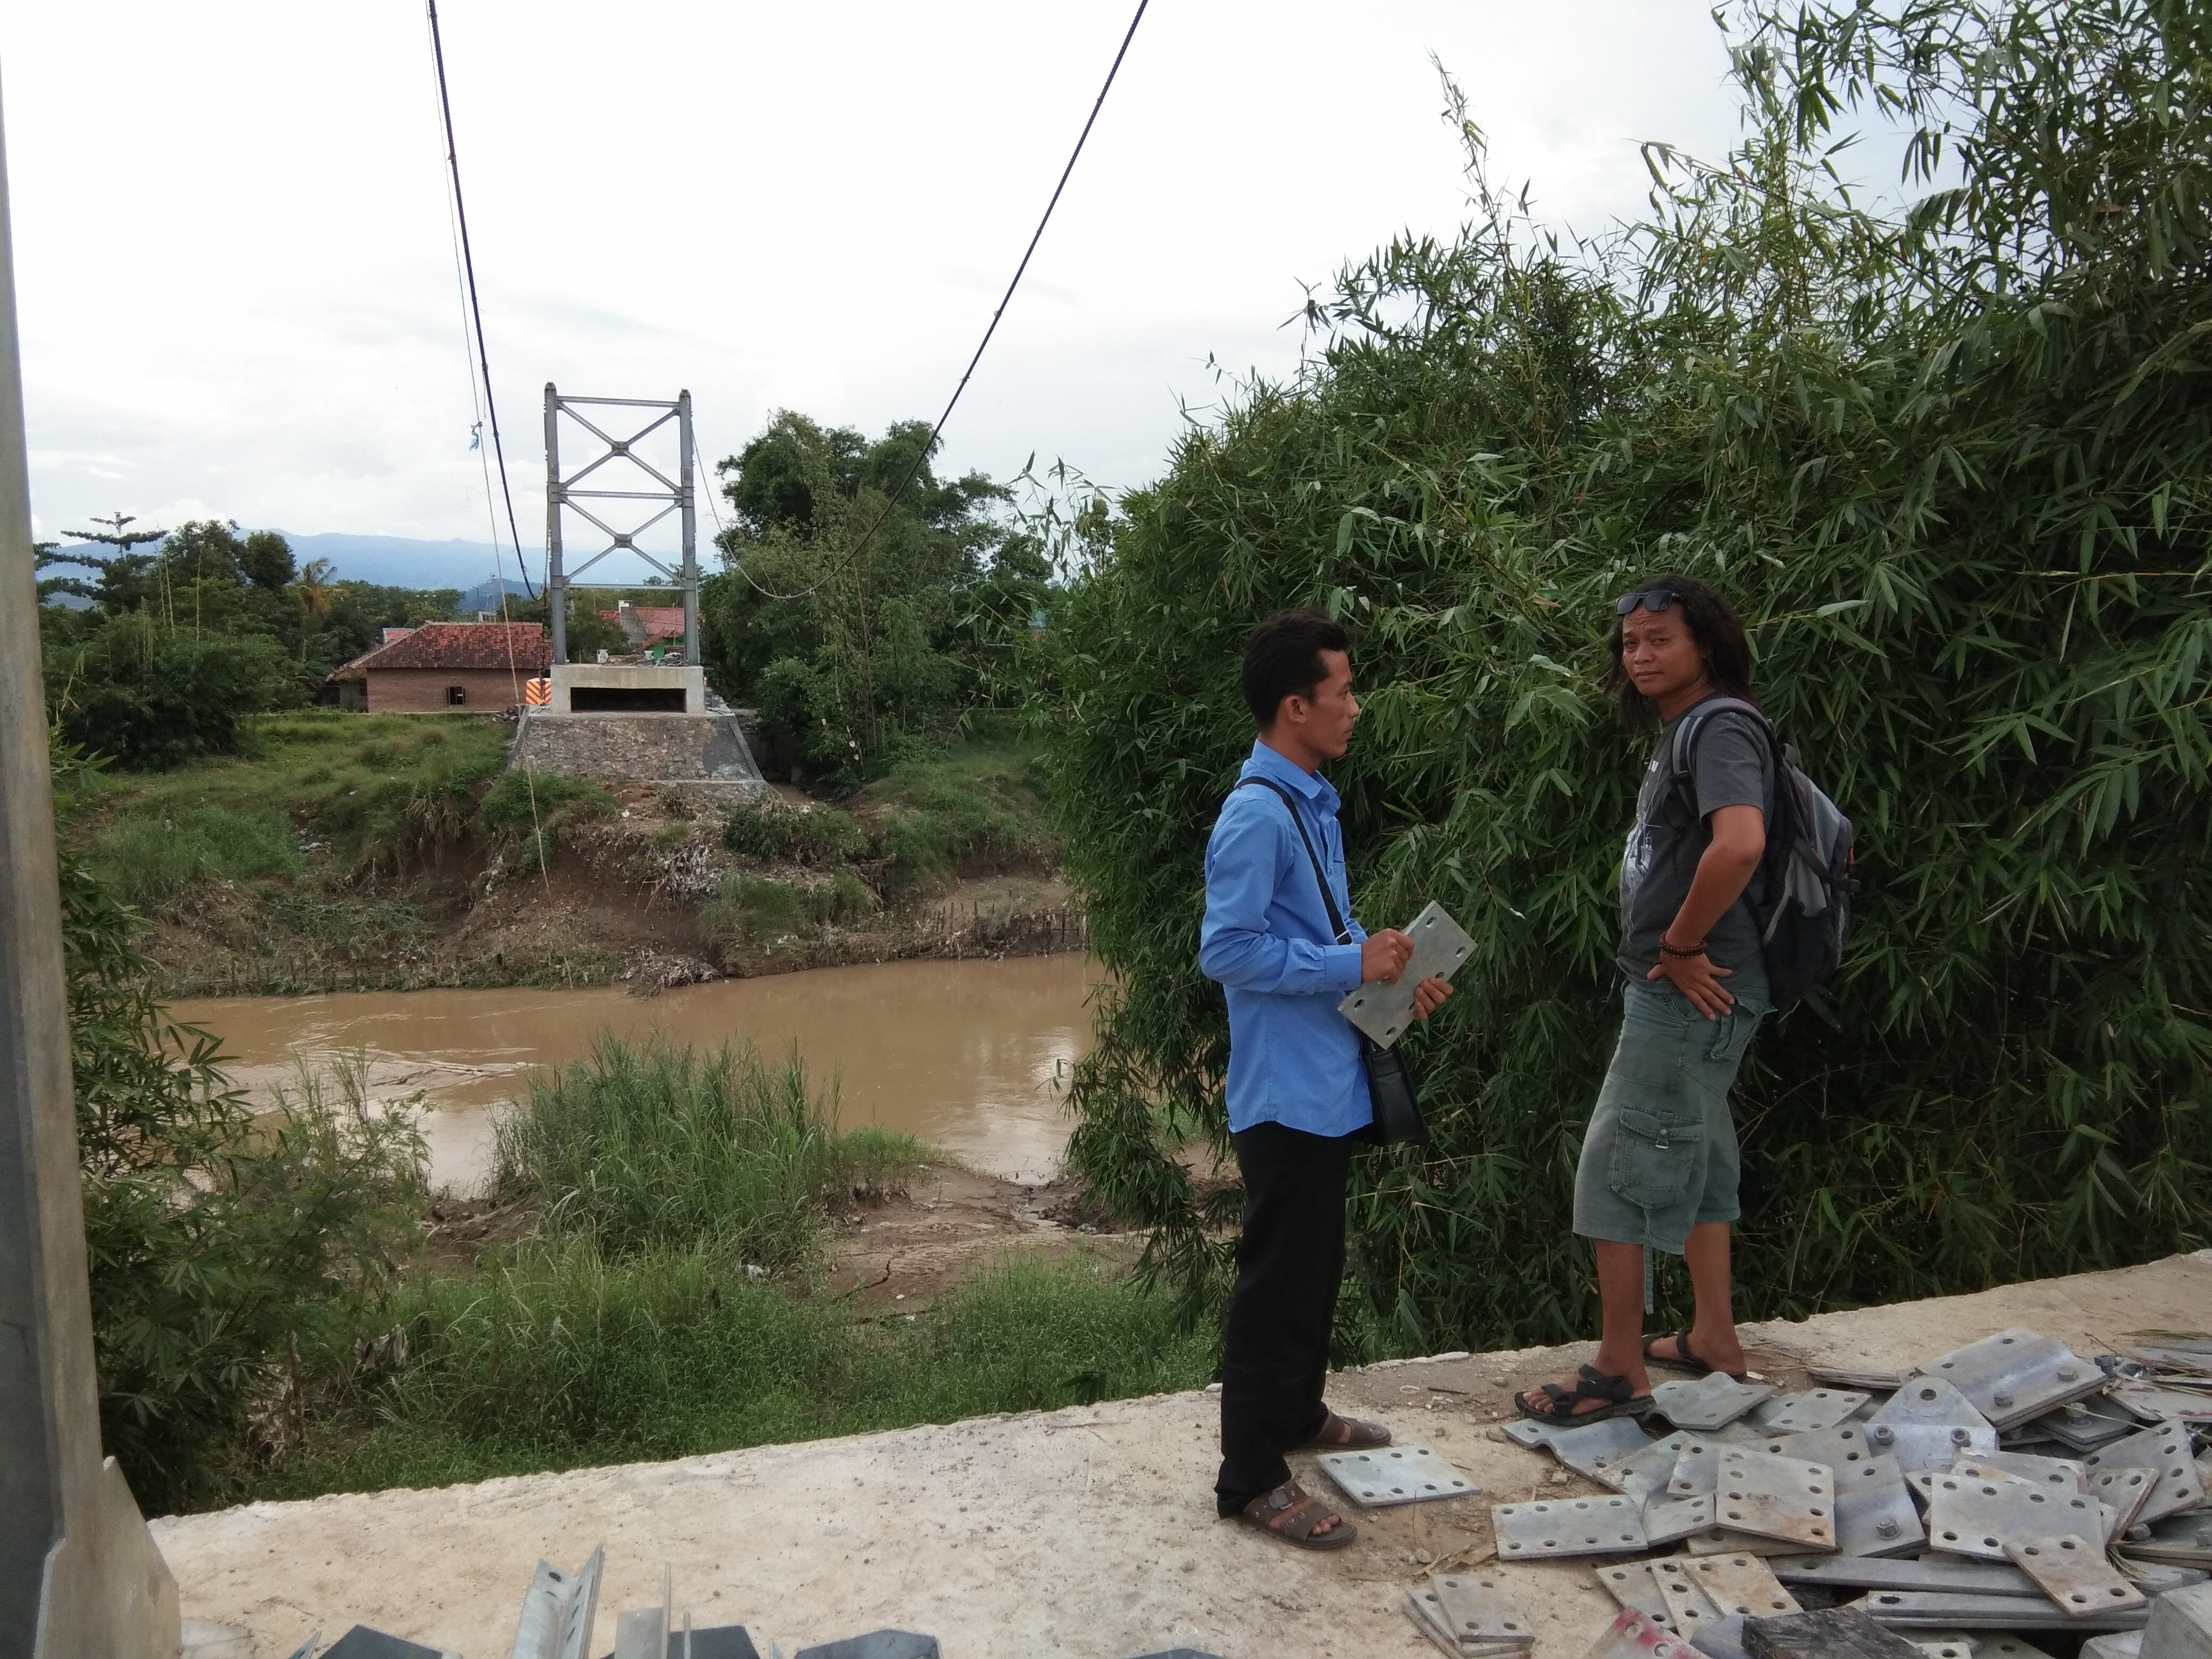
{"x": 1291, "y": 1513}
{"x": 1346, "y": 1434}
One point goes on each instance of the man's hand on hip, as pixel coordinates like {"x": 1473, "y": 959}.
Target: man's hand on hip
{"x": 1384, "y": 956}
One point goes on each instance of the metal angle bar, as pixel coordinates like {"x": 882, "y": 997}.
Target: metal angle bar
{"x": 649, "y": 558}
{"x": 622, "y": 403}
{"x": 617, "y": 494}
{"x": 1949, "y": 1610}
{"x": 1931, "y": 1573}
{"x": 588, "y": 426}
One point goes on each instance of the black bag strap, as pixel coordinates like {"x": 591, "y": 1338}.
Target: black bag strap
{"x": 1297, "y": 818}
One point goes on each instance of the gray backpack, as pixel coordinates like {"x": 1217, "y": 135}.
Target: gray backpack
{"x": 1804, "y": 915}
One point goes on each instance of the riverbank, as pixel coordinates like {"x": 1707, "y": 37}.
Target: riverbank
{"x": 1084, "y": 1532}
{"x": 346, "y": 852}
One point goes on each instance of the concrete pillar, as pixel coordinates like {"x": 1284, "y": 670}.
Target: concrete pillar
{"x": 79, "y": 1574}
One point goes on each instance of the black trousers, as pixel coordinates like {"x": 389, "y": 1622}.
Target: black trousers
{"x": 1290, "y": 1259}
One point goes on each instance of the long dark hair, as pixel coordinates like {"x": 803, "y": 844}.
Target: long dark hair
{"x": 1713, "y": 625}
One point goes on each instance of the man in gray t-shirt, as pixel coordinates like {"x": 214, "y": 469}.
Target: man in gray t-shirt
{"x": 1659, "y": 1168}
{"x": 1731, "y": 764}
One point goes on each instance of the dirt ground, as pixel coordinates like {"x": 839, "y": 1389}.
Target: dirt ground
{"x": 1087, "y": 1532}
{"x": 910, "y": 1247}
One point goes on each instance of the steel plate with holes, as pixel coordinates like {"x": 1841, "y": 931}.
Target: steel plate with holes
{"x": 1744, "y": 1584}
{"x": 1631, "y": 1636}
{"x": 1631, "y": 1583}
{"x": 1643, "y": 1475}
{"x": 1567, "y": 1526}
{"x": 1721, "y": 1541}
{"x": 1808, "y": 1412}
{"x": 1929, "y": 1573}
{"x": 2154, "y": 1402}
{"x": 2016, "y": 1375}
{"x": 1476, "y": 1609}
{"x": 1396, "y": 1474}
{"x": 1775, "y": 1496}
{"x": 1708, "y": 1403}
{"x": 2008, "y": 1647}
{"x": 1697, "y": 1469}
{"x": 2059, "y": 1474}
{"x": 1949, "y": 1610}
{"x": 1689, "y": 1609}
{"x": 2166, "y": 1449}
{"x": 1874, "y": 1513}
{"x": 1593, "y": 1448}
{"x": 2086, "y": 1424}
{"x": 1837, "y": 1447}
{"x": 2124, "y": 1493}
{"x": 1957, "y": 1645}
{"x": 1843, "y": 1377}
{"x": 1440, "y": 947}
{"x": 1971, "y": 1517}
{"x": 2074, "y": 1573}
{"x": 2184, "y": 1540}
{"x": 1926, "y": 1423}
{"x": 1527, "y": 1432}
{"x": 1422, "y": 1608}
{"x": 1670, "y": 1520}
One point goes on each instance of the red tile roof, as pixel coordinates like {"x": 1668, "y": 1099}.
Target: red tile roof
{"x": 459, "y": 645}
{"x": 660, "y": 621}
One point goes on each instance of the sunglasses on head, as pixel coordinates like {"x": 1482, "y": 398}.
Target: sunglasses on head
{"x": 1654, "y": 599}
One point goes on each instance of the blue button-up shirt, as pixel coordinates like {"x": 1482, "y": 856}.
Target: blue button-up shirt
{"x": 1293, "y": 1060}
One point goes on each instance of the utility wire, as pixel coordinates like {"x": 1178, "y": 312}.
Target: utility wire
{"x": 914, "y": 471}
{"x": 476, "y": 310}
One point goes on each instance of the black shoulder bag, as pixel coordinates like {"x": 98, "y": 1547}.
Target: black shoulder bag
{"x": 1389, "y": 1086}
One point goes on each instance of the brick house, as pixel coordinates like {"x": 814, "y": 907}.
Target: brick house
{"x": 446, "y": 668}
{"x": 644, "y": 623}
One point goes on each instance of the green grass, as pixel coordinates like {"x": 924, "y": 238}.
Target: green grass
{"x": 662, "y": 1148}
{"x": 975, "y": 803}
{"x": 770, "y": 829}
{"x": 379, "y": 789}
{"x": 149, "y": 859}
{"x": 560, "y": 1358}
{"x": 748, "y": 909}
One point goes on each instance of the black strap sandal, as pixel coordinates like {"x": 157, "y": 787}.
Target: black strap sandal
{"x": 1685, "y": 1358}
{"x": 1618, "y": 1396}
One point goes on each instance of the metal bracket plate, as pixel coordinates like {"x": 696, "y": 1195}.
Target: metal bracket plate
{"x": 1808, "y": 1412}
{"x": 1697, "y": 1469}
{"x": 1633, "y": 1636}
{"x": 1949, "y": 1610}
{"x": 1593, "y": 1449}
{"x": 2184, "y": 1540}
{"x": 2154, "y": 1402}
{"x": 1777, "y": 1497}
{"x": 1669, "y": 1520}
{"x": 1631, "y": 1583}
{"x": 1644, "y": 1475}
{"x": 1689, "y": 1609}
{"x": 1721, "y": 1541}
{"x": 1710, "y": 1402}
{"x": 1927, "y": 1423}
{"x": 1875, "y": 1512}
{"x": 1567, "y": 1526}
{"x": 1396, "y": 1474}
{"x": 1838, "y": 1448}
{"x": 1928, "y": 1573}
{"x": 2074, "y": 1573}
{"x": 2086, "y": 1424}
{"x": 2123, "y": 1492}
{"x": 1970, "y": 1516}
{"x": 1440, "y": 946}
{"x": 1744, "y": 1584}
{"x": 2017, "y": 1374}
{"x": 2059, "y": 1473}
{"x": 2166, "y": 1448}
{"x": 1475, "y": 1608}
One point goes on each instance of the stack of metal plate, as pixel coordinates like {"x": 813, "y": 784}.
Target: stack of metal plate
{"x": 1470, "y": 1615}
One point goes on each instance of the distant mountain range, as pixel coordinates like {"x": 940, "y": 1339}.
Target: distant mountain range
{"x": 400, "y": 561}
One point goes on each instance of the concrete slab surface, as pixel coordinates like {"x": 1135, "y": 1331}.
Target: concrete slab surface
{"x": 1088, "y": 1532}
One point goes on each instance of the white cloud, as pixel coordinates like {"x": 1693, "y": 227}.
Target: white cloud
{"x": 235, "y": 273}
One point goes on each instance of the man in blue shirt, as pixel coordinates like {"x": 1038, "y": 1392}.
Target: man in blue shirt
{"x": 1297, "y": 1091}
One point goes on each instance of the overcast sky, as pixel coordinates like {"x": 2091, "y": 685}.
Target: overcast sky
{"x": 236, "y": 274}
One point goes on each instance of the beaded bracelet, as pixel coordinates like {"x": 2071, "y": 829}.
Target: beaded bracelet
{"x": 1697, "y": 950}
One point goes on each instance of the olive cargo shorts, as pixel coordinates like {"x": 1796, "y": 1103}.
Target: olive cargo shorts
{"x": 1661, "y": 1152}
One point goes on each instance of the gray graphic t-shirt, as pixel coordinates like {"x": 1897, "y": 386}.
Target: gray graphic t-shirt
{"x": 1732, "y": 766}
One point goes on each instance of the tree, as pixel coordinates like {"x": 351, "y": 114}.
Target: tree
{"x": 839, "y": 609}
{"x": 1954, "y": 467}
{"x": 265, "y": 560}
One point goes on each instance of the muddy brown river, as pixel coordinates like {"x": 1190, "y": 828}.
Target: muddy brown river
{"x": 971, "y": 1056}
